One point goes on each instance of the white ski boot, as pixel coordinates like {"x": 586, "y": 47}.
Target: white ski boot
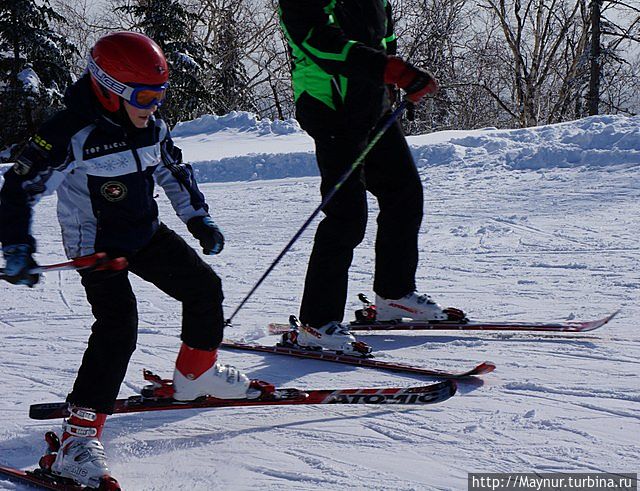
{"x": 413, "y": 306}
{"x": 197, "y": 374}
{"x": 333, "y": 336}
{"x": 81, "y": 455}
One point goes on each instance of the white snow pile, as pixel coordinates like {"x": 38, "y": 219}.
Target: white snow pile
{"x": 596, "y": 141}
{"x": 235, "y": 121}
{"x": 257, "y": 167}
{"x": 241, "y": 147}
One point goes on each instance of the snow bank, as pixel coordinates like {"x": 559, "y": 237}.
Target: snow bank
{"x": 239, "y": 147}
{"x": 257, "y": 167}
{"x": 594, "y": 141}
{"x": 235, "y": 121}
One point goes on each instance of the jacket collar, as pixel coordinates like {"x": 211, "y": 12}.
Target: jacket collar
{"x": 80, "y": 100}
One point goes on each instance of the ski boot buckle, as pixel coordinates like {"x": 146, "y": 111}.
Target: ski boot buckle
{"x": 367, "y": 314}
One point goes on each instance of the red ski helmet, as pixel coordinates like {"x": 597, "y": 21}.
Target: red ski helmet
{"x": 128, "y": 65}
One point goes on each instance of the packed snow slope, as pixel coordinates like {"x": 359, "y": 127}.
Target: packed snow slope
{"x": 540, "y": 223}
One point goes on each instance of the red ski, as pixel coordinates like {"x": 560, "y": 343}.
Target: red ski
{"x": 409, "y": 325}
{"x": 157, "y": 397}
{"x": 38, "y": 478}
{"x": 481, "y": 369}
{"x": 563, "y": 326}
{"x": 45, "y": 480}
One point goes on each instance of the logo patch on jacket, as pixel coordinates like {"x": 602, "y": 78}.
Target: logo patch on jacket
{"x": 42, "y": 142}
{"x": 113, "y": 191}
{"x": 21, "y": 168}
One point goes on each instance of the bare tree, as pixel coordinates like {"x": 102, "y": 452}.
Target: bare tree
{"x": 429, "y": 34}
{"x": 503, "y": 63}
{"x": 258, "y": 46}
{"x": 536, "y": 33}
{"x": 83, "y": 24}
{"x": 603, "y": 13}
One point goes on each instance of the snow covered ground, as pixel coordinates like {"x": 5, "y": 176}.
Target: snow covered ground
{"x": 541, "y": 223}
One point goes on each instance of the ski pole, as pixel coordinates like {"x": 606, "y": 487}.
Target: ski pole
{"x": 96, "y": 262}
{"x": 329, "y": 196}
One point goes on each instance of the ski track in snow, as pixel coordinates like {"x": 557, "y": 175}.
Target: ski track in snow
{"x": 533, "y": 244}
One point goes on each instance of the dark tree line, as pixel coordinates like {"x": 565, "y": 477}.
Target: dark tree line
{"x": 502, "y": 63}
{"x": 34, "y": 68}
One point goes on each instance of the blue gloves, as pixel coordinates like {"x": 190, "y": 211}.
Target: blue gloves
{"x": 208, "y": 233}
{"x": 18, "y": 263}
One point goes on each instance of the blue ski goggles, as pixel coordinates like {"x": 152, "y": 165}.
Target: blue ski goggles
{"x": 138, "y": 95}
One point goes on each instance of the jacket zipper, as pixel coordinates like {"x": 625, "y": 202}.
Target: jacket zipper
{"x": 140, "y": 175}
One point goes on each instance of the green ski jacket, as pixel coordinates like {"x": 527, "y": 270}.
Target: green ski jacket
{"x": 339, "y": 50}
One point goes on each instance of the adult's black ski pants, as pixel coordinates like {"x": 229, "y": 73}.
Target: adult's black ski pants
{"x": 390, "y": 174}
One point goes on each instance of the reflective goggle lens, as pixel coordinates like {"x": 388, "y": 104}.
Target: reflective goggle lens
{"x": 146, "y": 98}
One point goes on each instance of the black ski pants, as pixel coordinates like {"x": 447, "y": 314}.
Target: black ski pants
{"x": 390, "y": 174}
{"x": 175, "y": 268}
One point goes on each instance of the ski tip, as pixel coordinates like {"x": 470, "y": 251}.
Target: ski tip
{"x": 607, "y": 319}
{"x": 51, "y": 410}
{"x": 590, "y": 326}
{"x": 611, "y": 316}
{"x": 614, "y": 314}
{"x": 485, "y": 367}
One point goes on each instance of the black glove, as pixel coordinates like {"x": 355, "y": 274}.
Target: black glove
{"x": 208, "y": 233}
{"x": 19, "y": 261}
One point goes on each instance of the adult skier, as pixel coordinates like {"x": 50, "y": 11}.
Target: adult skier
{"x": 343, "y": 61}
{"x": 102, "y": 155}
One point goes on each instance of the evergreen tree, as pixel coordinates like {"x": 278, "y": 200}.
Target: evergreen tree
{"x": 230, "y": 79}
{"x": 34, "y": 71}
{"x": 167, "y": 23}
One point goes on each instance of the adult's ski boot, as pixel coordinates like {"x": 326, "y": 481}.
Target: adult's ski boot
{"x": 412, "y": 306}
{"x": 333, "y": 336}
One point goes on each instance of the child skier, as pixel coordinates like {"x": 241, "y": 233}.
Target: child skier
{"x": 343, "y": 61}
{"x": 102, "y": 155}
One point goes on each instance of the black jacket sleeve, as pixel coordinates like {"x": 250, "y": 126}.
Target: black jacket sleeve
{"x": 391, "y": 40}
{"x": 36, "y": 173}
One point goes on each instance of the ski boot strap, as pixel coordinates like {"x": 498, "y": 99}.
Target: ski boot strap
{"x": 75, "y": 430}
{"x": 83, "y": 422}
{"x": 83, "y": 413}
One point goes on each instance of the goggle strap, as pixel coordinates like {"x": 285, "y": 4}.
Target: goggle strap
{"x": 108, "y": 81}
